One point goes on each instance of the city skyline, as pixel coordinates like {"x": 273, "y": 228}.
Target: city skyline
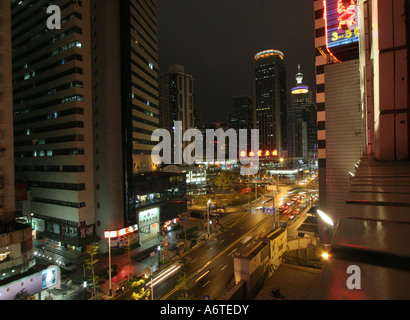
{"x": 93, "y": 207}
{"x": 216, "y": 42}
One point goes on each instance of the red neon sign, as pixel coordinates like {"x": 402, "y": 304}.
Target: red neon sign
{"x": 347, "y": 18}
{"x": 341, "y": 25}
{"x": 120, "y": 232}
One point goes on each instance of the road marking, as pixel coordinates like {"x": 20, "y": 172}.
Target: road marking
{"x": 194, "y": 260}
{"x": 232, "y": 233}
{"x": 209, "y": 249}
{"x": 206, "y": 284}
{"x": 166, "y": 296}
{"x": 201, "y": 277}
{"x": 233, "y": 251}
{"x": 224, "y": 267}
{"x": 222, "y": 240}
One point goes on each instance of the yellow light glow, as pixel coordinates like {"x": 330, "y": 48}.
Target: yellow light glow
{"x": 300, "y": 91}
{"x": 325, "y": 255}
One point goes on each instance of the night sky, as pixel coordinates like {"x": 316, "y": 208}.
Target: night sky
{"x": 216, "y": 40}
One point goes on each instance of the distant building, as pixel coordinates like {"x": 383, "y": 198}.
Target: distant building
{"x": 270, "y": 100}
{"x": 176, "y": 94}
{"x": 302, "y": 128}
{"x": 241, "y": 116}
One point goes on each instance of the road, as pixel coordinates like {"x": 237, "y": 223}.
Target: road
{"x": 210, "y": 264}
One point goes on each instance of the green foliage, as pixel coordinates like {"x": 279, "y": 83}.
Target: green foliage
{"x": 138, "y": 288}
{"x": 91, "y": 263}
{"x": 184, "y": 284}
{"x": 226, "y": 179}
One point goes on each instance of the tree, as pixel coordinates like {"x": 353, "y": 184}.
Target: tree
{"x": 90, "y": 263}
{"x": 226, "y": 179}
{"x": 183, "y": 281}
{"x": 139, "y": 290}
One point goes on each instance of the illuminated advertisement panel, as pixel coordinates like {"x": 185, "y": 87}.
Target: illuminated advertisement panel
{"x": 342, "y": 27}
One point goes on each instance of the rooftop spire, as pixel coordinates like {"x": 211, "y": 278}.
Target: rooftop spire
{"x": 299, "y": 76}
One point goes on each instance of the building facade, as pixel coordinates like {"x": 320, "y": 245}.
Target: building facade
{"x": 270, "y": 114}
{"x": 302, "y": 128}
{"x": 176, "y": 98}
{"x": 339, "y": 111}
{"x": 16, "y": 245}
{"x": 362, "y": 91}
{"x": 241, "y": 116}
{"x": 85, "y": 105}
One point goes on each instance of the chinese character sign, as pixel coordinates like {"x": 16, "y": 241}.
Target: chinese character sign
{"x": 341, "y": 22}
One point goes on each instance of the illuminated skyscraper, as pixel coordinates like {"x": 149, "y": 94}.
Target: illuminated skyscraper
{"x": 85, "y": 105}
{"x": 302, "y": 129}
{"x": 270, "y": 100}
{"x": 176, "y": 99}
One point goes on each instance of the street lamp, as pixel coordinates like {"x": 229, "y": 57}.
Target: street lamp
{"x": 108, "y": 235}
{"x": 159, "y": 257}
{"x": 207, "y": 213}
{"x": 325, "y": 217}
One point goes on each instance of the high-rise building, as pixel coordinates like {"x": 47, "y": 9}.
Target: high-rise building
{"x": 7, "y": 197}
{"x": 339, "y": 113}
{"x": 176, "y": 98}
{"x": 85, "y": 105}
{"x": 16, "y": 246}
{"x": 241, "y": 116}
{"x": 270, "y": 100}
{"x": 302, "y": 129}
{"x": 368, "y": 222}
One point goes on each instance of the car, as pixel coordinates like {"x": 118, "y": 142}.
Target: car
{"x": 291, "y": 217}
{"x": 296, "y": 211}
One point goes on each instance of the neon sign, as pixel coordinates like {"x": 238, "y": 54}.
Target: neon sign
{"x": 261, "y": 153}
{"x": 341, "y": 17}
{"x": 122, "y": 232}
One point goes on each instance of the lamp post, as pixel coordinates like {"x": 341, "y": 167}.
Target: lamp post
{"x": 207, "y": 213}
{"x": 159, "y": 257}
{"x": 108, "y": 235}
{"x": 326, "y": 232}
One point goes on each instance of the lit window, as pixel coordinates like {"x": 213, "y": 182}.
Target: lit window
{"x": 151, "y": 66}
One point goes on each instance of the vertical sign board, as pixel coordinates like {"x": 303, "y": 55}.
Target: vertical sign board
{"x": 342, "y": 25}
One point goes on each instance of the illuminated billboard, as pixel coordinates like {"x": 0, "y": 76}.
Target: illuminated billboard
{"x": 342, "y": 25}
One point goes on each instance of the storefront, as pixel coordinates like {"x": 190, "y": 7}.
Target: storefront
{"x": 62, "y": 232}
{"x": 148, "y": 224}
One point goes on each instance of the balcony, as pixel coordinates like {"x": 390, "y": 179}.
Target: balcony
{"x": 370, "y": 256}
